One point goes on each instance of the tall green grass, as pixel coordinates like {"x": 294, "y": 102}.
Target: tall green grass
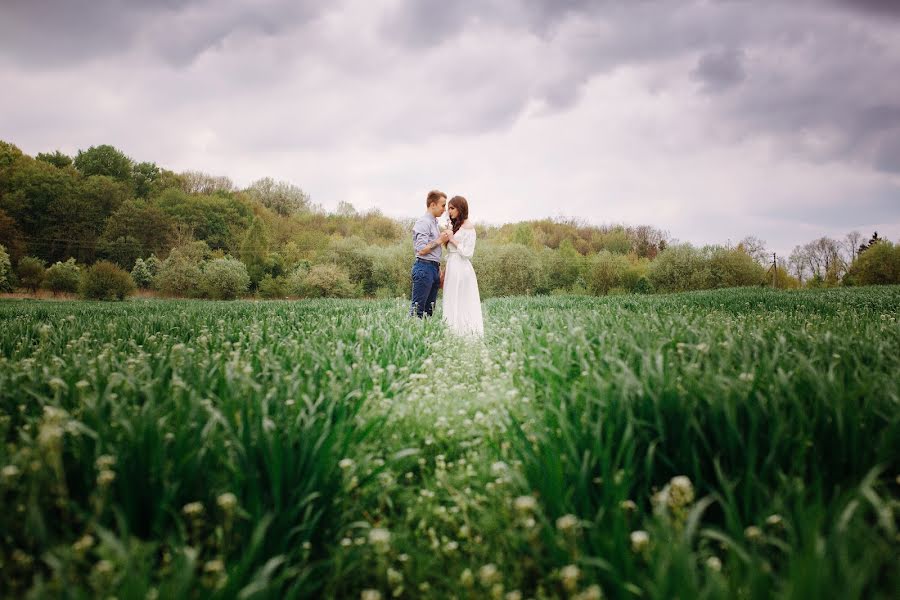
{"x": 187, "y": 446}
{"x": 738, "y": 443}
{"x": 776, "y": 406}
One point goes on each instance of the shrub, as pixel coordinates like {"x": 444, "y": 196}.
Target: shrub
{"x": 106, "y": 281}
{"x": 643, "y": 286}
{"x": 616, "y": 241}
{"x": 297, "y": 279}
{"x": 6, "y": 272}
{"x": 637, "y": 269}
{"x": 563, "y": 266}
{"x": 181, "y": 272}
{"x": 678, "y": 268}
{"x": 733, "y": 268}
{"x": 355, "y": 257}
{"x": 154, "y": 264}
{"x": 606, "y": 271}
{"x": 224, "y": 278}
{"x": 878, "y": 265}
{"x": 273, "y": 287}
{"x": 63, "y": 277}
{"x": 31, "y": 272}
{"x": 145, "y": 271}
{"x": 141, "y": 274}
{"x": 509, "y": 270}
{"x": 391, "y": 270}
{"x": 327, "y": 281}
{"x": 783, "y": 280}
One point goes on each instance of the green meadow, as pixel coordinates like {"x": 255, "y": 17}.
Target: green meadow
{"x": 741, "y": 443}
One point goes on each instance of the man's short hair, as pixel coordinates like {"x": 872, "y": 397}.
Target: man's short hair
{"x": 434, "y": 196}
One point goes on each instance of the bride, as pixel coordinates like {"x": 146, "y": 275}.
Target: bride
{"x": 462, "y": 301}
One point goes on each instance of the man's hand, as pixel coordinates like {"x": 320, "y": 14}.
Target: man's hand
{"x": 445, "y": 236}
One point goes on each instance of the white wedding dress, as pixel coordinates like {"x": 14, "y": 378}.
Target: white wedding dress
{"x": 462, "y": 301}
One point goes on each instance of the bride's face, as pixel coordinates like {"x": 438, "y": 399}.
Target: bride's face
{"x": 453, "y": 212}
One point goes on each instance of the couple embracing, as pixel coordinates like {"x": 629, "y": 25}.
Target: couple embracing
{"x": 462, "y": 301}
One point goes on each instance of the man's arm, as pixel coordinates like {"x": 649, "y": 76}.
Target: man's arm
{"x": 421, "y": 242}
{"x": 430, "y": 246}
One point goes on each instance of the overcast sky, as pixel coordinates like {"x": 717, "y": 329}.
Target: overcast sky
{"x": 709, "y": 119}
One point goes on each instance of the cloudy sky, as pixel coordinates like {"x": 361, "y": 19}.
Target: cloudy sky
{"x": 710, "y": 119}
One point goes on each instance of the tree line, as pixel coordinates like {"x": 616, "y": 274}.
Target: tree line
{"x": 102, "y": 224}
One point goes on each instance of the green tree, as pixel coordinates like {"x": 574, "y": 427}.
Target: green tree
{"x": 57, "y": 159}
{"x": 9, "y": 155}
{"x": 217, "y": 220}
{"x": 879, "y": 264}
{"x": 279, "y": 196}
{"x": 255, "y": 251}
{"x": 6, "y": 272}
{"x": 523, "y": 233}
{"x": 123, "y": 251}
{"x": 11, "y": 237}
{"x": 104, "y": 160}
{"x": 166, "y": 180}
{"x": 195, "y": 182}
{"x": 28, "y": 190}
{"x": 143, "y": 177}
{"x": 615, "y": 240}
{"x": 292, "y": 255}
{"x": 31, "y": 272}
{"x": 76, "y": 221}
{"x": 143, "y": 221}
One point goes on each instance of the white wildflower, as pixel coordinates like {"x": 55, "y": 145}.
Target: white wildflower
{"x": 640, "y": 539}
{"x": 569, "y": 576}
{"x": 380, "y": 539}
{"x": 567, "y": 523}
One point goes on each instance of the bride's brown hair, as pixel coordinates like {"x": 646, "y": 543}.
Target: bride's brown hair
{"x": 460, "y": 204}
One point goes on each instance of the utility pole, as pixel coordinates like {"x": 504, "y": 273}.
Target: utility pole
{"x": 774, "y": 269}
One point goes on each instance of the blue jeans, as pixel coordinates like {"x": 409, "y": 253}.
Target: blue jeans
{"x": 426, "y": 280}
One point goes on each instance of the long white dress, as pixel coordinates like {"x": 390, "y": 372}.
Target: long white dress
{"x": 462, "y": 301}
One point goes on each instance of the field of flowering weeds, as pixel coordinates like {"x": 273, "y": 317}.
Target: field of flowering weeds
{"x": 739, "y": 443}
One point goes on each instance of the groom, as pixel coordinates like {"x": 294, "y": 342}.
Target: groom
{"x": 427, "y": 241}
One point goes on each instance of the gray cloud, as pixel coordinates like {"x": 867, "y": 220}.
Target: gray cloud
{"x": 720, "y": 70}
{"x": 882, "y": 7}
{"x": 58, "y": 33}
{"x": 204, "y": 82}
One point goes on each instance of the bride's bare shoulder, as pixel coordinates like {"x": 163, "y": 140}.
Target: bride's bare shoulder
{"x": 468, "y": 225}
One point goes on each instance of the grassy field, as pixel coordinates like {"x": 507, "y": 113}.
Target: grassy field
{"x": 740, "y": 443}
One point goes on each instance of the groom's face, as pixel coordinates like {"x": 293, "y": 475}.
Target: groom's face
{"x": 437, "y": 209}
